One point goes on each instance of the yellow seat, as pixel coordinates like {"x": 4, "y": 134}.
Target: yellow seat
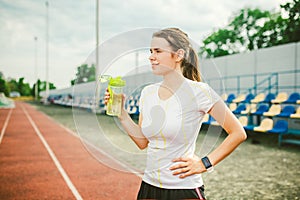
{"x": 274, "y": 110}
{"x": 297, "y": 114}
{"x": 205, "y": 118}
{"x": 281, "y": 97}
{"x": 265, "y": 125}
{"x": 298, "y": 101}
{"x": 249, "y": 109}
{"x": 232, "y": 106}
{"x": 240, "y": 98}
{"x": 259, "y": 98}
{"x": 224, "y": 96}
{"x": 243, "y": 120}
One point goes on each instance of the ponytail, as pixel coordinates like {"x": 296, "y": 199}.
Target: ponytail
{"x": 190, "y": 64}
{"x": 179, "y": 40}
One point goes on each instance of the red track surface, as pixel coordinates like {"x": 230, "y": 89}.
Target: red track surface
{"x": 27, "y": 171}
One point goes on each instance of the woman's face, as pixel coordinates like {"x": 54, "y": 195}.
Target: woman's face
{"x": 162, "y": 58}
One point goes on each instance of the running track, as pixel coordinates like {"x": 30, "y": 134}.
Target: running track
{"x": 39, "y": 159}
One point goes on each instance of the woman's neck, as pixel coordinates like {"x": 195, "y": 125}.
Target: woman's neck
{"x": 173, "y": 80}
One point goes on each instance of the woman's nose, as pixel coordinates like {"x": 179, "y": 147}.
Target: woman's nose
{"x": 152, "y": 56}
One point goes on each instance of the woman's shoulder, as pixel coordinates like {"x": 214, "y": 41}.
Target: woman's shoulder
{"x": 197, "y": 85}
{"x": 150, "y": 87}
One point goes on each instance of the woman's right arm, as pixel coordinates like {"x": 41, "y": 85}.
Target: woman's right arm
{"x": 133, "y": 130}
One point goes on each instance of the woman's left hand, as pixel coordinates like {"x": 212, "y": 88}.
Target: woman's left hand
{"x": 187, "y": 166}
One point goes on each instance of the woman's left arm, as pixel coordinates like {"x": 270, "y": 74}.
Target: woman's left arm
{"x": 236, "y": 135}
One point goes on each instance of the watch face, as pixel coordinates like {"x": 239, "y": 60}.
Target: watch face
{"x": 206, "y": 162}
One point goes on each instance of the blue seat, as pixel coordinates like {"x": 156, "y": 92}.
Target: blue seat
{"x": 248, "y": 98}
{"x": 280, "y": 127}
{"x": 269, "y": 98}
{"x": 287, "y": 111}
{"x": 239, "y": 109}
{"x": 261, "y": 109}
{"x": 230, "y": 98}
{"x": 293, "y": 98}
{"x": 133, "y": 110}
{"x": 249, "y": 127}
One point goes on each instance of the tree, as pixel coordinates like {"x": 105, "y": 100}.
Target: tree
{"x": 13, "y": 85}
{"x": 24, "y": 88}
{"x": 4, "y": 87}
{"x": 84, "y": 74}
{"x": 292, "y": 31}
{"x": 238, "y": 36}
{"x": 253, "y": 29}
{"x": 41, "y": 87}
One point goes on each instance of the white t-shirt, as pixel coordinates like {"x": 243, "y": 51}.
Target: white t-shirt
{"x": 172, "y": 127}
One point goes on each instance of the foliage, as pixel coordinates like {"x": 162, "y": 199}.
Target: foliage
{"x": 292, "y": 30}
{"x": 84, "y": 74}
{"x": 23, "y": 88}
{"x": 20, "y": 86}
{"x": 252, "y": 29}
{"x": 3, "y": 87}
{"x": 41, "y": 87}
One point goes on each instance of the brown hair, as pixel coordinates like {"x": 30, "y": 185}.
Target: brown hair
{"x": 179, "y": 40}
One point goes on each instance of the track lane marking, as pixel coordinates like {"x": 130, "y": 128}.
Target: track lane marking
{"x": 53, "y": 157}
{"x": 86, "y": 142}
{"x": 5, "y": 125}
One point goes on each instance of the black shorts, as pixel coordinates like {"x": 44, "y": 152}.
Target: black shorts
{"x": 148, "y": 191}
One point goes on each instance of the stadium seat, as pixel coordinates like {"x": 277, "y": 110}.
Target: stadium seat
{"x": 281, "y": 97}
{"x": 286, "y": 111}
{"x": 265, "y": 125}
{"x": 232, "y": 106}
{"x": 239, "y": 109}
{"x": 248, "y": 98}
{"x": 297, "y": 114}
{"x": 239, "y": 99}
{"x": 280, "y": 127}
{"x": 230, "y": 98}
{"x": 244, "y": 121}
{"x": 293, "y": 98}
{"x": 258, "y": 98}
{"x": 269, "y": 98}
{"x": 261, "y": 109}
{"x": 274, "y": 110}
{"x": 214, "y": 122}
{"x": 133, "y": 110}
{"x": 206, "y": 119}
{"x": 224, "y": 97}
{"x": 249, "y": 109}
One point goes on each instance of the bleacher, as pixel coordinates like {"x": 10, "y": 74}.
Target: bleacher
{"x": 266, "y": 113}
{"x": 263, "y": 105}
{"x": 261, "y": 113}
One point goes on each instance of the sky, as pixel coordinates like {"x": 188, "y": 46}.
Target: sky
{"x": 72, "y": 30}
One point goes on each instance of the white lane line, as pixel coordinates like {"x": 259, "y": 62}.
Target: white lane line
{"x": 5, "y": 125}
{"x": 86, "y": 142}
{"x": 52, "y": 155}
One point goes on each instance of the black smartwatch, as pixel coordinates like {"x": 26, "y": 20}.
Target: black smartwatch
{"x": 207, "y": 164}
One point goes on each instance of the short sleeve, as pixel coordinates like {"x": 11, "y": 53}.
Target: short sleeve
{"x": 206, "y": 97}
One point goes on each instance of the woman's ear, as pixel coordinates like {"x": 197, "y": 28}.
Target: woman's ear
{"x": 180, "y": 55}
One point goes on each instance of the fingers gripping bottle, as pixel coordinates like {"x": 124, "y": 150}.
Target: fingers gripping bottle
{"x": 115, "y": 89}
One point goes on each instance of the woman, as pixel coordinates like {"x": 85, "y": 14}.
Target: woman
{"x": 170, "y": 120}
